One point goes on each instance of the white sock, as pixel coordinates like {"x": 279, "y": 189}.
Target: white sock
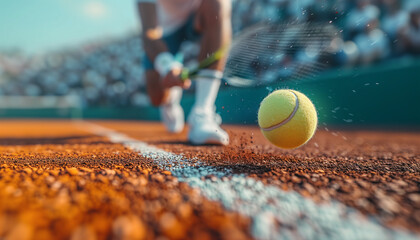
{"x": 207, "y": 89}
{"x": 175, "y": 95}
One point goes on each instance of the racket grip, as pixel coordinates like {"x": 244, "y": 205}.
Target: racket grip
{"x": 185, "y": 74}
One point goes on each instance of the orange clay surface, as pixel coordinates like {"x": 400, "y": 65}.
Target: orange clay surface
{"x": 60, "y": 181}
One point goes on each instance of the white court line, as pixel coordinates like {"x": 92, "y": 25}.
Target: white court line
{"x": 275, "y": 214}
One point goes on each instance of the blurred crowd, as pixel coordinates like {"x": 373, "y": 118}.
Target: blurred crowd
{"x": 370, "y": 30}
{"x": 111, "y": 74}
{"x": 104, "y": 74}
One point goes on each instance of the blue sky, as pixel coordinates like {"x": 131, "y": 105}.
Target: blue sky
{"x": 42, "y": 25}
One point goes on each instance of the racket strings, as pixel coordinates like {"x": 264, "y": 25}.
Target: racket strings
{"x": 269, "y": 53}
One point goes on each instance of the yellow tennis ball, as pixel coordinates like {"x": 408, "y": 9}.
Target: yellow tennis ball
{"x": 287, "y": 118}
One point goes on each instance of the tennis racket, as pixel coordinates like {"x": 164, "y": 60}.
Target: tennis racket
{"x": 266, "y": 53}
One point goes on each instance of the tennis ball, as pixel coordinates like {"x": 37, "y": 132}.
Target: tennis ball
{"x": 287, "y": 118}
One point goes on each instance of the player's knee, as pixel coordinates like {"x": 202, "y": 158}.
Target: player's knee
{"x": 156, "y": 97}
{"x": 154, "y": 89}
{"x": 217, "y": 9}
{"x": 155, "y": 101}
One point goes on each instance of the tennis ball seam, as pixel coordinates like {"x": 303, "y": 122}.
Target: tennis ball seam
{"x": 290, "y": 117}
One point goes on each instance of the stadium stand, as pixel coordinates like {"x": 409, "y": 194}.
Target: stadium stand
{"x": 110, "y": 73}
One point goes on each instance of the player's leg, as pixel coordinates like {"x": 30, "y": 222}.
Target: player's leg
{"x": 214, "y": 23}
{"x": 157, "y": 94}
{"x": 168, "y": 99}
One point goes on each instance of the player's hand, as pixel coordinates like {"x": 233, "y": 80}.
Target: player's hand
{"x": 173, "y": 78}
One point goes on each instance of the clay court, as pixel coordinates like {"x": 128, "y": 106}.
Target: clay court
{"x": 132, "y": 180}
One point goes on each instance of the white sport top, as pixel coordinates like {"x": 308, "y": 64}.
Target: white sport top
{"x": 173, "y": 13}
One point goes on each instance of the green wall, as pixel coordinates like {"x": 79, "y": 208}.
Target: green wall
{"x": 387, "y": 94}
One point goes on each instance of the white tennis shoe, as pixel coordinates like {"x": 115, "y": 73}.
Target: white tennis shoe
{"x": 205, "y": 129}
{"x": 172, "y": 116}
{"x": 171, "y": 113}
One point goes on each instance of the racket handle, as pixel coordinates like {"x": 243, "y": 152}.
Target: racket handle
{"x": 186, "y": 73}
